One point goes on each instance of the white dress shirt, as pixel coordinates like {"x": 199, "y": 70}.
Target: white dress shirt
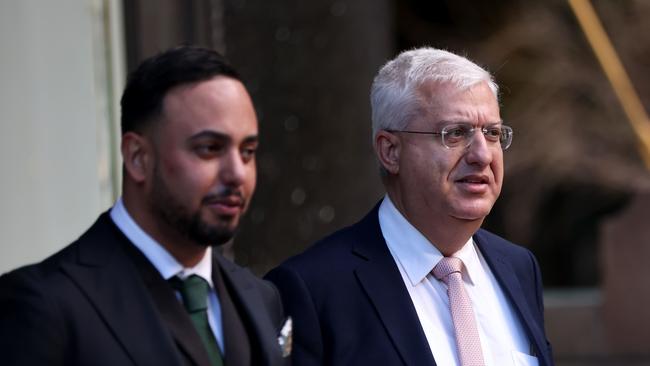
{"x": 168, "y": 266}
{"x": 503, "y": 339}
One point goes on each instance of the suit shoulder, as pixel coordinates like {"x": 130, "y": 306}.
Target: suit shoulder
{"x": 43, "y": 271}
{"x": 47, "y": 279}
{"x": 67, "y": 254}
{"x": 326, "y": 264}
{"x": 30, "y": 296}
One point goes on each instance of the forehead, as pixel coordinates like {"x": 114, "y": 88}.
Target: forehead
{"x": 221, "y": 104}
{"x": 447, "y": 102}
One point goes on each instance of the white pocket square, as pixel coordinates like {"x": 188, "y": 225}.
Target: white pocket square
{"x": 285, "y": 338}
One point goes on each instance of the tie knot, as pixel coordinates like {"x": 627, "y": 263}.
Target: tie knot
{"x": 447, "y": 266}
{"x": 193, "y": 290}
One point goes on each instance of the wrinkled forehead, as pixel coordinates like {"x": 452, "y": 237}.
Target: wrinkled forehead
{"x": 447, "y": 101}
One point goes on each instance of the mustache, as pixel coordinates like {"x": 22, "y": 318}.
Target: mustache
{"x": 224, "y": 193}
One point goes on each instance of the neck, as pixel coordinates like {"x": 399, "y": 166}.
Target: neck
{"x": 188, "y": 258}
{"x": 451, "y": 235}
{"x": 447, "y": 233}
{"x": 185, "y": 251}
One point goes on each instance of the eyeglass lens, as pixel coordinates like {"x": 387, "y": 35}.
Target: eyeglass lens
{"x": 461, "y": 135}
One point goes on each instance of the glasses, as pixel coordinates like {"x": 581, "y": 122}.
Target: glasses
{"x": 461, "y": 134}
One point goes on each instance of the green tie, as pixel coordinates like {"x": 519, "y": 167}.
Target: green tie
{"x": 194, "y": 291}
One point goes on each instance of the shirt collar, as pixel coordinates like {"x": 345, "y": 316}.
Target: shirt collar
{"x": 416, "y": 254}
{"x": 164, "y": 262}
{"x": 469, "y": 255}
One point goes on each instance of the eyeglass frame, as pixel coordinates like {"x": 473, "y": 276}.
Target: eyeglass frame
{"x": 472, "y": 130}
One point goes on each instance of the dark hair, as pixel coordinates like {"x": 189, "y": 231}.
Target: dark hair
{"x": 149, "y": 83}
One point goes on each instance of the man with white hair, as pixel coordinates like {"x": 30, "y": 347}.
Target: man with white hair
{"x": 417, "y": 281}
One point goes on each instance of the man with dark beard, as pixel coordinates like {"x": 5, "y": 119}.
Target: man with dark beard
{"x": 145, "y": 285}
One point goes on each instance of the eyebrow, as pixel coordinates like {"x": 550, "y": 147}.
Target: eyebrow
{"x": 221, "y": 136}
{"x": 443, "y": 123}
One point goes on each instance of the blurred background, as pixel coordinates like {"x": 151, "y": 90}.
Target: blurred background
{"x": 577, "y": 189}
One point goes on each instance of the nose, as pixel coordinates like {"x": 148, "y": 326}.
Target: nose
{"x": 233, "y": 169}
{"x": 479, "y": 151}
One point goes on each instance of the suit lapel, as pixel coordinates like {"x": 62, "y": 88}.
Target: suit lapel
{"x": 394, "y": 307}
{"x": 236, "y": 341}
{"x": 260, "y": 328}
{"x": 112, "y": 285}
{"x": 171, "y": 311}
{"x": 509, "y": 281}
{"x": 127, "y": 290}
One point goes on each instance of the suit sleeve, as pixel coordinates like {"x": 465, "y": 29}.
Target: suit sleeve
{"x": 540, "y": 297}
{"x": 30, "y": 331}
{"x": 307, "y": 344}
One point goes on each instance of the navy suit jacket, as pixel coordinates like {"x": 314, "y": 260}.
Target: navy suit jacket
{"x": 350, "y": 306}
{"x": 100, "y": 302}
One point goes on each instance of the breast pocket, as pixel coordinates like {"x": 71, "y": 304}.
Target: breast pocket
{"x": 522, "y": 359}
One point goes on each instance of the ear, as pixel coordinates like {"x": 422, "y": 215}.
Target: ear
{"x": 136, "y": 154}
{"x": 387, "y": 148}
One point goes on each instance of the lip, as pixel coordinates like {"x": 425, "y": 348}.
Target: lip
{"x": 474, "y": 183}
{"x": 227, "y": 205}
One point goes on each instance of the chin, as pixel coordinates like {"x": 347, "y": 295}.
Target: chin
{"x": 472, "y": 214}
{"x": 221, "y": 221}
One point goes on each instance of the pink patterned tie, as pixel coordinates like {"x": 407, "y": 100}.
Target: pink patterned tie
{"x": 467, "y": 339}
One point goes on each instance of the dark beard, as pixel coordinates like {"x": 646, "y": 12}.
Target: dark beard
{"x": 189, "y": 225}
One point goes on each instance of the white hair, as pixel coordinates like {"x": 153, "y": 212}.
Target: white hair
{"x": 394, "y": 92}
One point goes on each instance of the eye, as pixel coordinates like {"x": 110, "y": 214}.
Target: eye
{"x": 492, "y": 133}
{"x": 455, "y": 133}
{"x": 248, "y": 153}
{"x": 206, "y": 150}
